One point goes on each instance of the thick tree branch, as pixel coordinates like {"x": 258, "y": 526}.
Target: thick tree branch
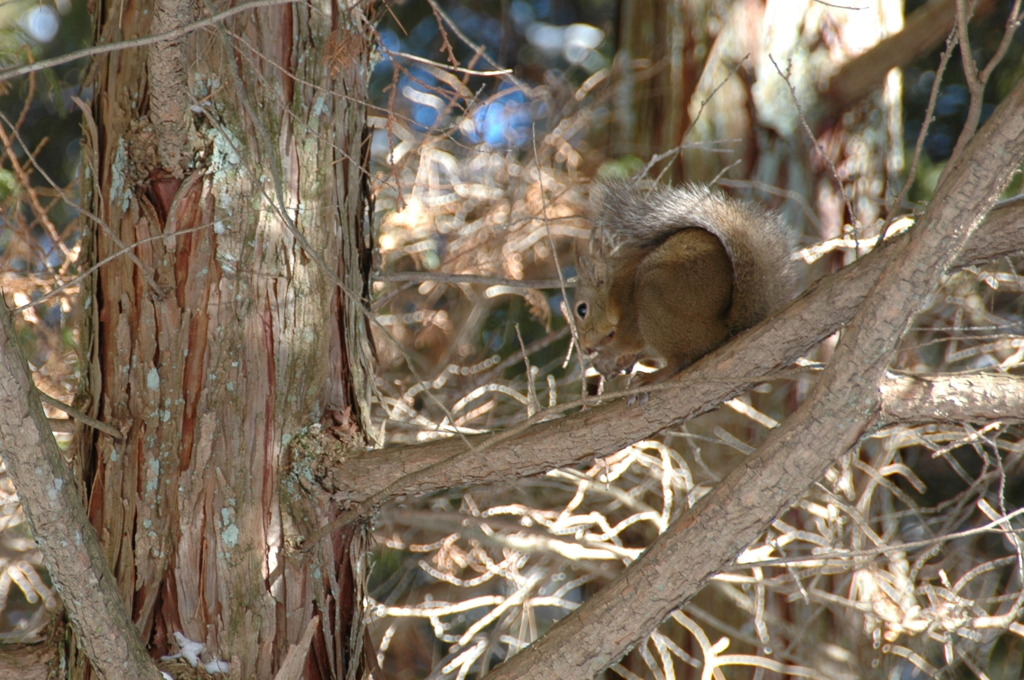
{"x": 602, "y": 430}
{"x": 59, "y": 524}
{"x": 841, "y": 406}
{"x": 966, "y": 398}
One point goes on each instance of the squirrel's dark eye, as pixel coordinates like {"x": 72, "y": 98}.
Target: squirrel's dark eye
{"x": 581, "y": 310}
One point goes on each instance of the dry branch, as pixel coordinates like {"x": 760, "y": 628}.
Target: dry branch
{"x": 59, "y": 523}
{"x": 602, "y": 430}
{"x": 143, "y": 41}
{"x": 842, "y": 405}
{"x": 972, "y": 397}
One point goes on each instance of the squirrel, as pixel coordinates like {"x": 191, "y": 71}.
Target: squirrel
{"x": 681, "y": 270}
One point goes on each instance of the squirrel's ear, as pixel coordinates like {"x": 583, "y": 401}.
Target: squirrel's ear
{"x": 591, "y": 269}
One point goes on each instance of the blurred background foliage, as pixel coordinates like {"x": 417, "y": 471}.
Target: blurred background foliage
{"x": 490, "y": 120}
{"x": 40, "y": 230}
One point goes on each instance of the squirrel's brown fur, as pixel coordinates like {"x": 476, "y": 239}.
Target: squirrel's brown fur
{"x": 680, "y": 271}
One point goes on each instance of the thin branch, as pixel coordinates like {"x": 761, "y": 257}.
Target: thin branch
{"x": 82, "y": 417}
{"x": 441, "y": 277}
{"x": 96, "y": 50}
{"x": 480, "y": 50}
{"x": 447, "y": 67}
{"x": 539, "y": 444}
{"x": 20, "y": 171}
{"x": 147, "y": 273}
{"x": 814, "y": 141}
{"x": 923, "y": 31}
{"x": 1012, "y": 25}
{"x": 976, "y": 81}
{"x": 841, "y": 406}
{"x": 60, "y": 525}
{"x": 926, "y": 124}
{"x": 125, "y": 250}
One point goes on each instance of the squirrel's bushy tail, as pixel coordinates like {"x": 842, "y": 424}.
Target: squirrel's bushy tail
{"x": 759, "y": 243}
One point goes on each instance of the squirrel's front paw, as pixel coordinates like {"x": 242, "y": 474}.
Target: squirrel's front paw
{"x": 638, "y": 400}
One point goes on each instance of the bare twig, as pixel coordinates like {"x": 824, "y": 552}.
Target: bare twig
{"x": 833, "y": 171}
{"x": 926, "y": 125}
{"x": 96, "y": 50}
{"x": 976, "y": 80}
{"x": 448, "y": 67}
{"x": 924, "y": 30}
{"x": 538, "y": 444}
{"x": 441, "y": 277}
{"x": 146, "y": 272}
{"x": 82, "y": 417}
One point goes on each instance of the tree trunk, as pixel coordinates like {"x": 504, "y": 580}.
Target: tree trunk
{"x": 231, "y": 161}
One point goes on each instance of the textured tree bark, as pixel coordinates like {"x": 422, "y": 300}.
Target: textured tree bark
{"x": 27, "y": 662}
{"x": 236, "y": 325}
{"x": 59, "y": 525}
{"x": 841, "y": 406}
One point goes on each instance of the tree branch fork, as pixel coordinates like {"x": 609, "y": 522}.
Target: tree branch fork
{"x": 367, "y": 478}
{"x": 601, "y": 426}
{"x": 844, "y": 403}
